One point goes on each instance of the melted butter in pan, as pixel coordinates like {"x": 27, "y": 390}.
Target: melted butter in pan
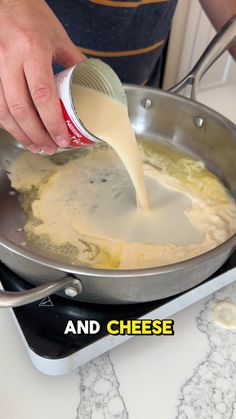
{"x": 84, "y": 209}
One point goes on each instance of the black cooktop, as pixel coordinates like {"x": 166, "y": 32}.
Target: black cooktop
{"x": 43, "y": 323}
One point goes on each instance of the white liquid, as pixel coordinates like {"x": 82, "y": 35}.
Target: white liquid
{"x": 105, "y": 201}
{"x": 113, "y": 212}
{"x": 107, "y": 119}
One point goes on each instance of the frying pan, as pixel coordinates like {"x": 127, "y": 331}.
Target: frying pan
{"x": 183, "y": 123}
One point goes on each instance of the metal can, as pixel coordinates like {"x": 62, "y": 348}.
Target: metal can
{"x": 92, "y": 73}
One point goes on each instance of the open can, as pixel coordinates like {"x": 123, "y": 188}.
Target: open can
{"x": 94, "y": 74}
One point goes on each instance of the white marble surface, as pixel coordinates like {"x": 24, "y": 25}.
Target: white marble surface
{"x": 186, "y": 376}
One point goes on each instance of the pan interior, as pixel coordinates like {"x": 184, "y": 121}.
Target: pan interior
{"x": 213, "y": 145}
{"x": 61, "y": 194}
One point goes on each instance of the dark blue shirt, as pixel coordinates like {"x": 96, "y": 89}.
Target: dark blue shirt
{"x": 128, "y": 35}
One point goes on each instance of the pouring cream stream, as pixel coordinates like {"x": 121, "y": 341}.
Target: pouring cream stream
{"x": 107, "y": 119}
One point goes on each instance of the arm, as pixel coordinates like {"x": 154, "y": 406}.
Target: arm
{"x": 31, "y": 38}
{"x": 219, "y": 11}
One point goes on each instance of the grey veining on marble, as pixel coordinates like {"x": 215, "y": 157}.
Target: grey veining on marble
{"x": 100, "y": 397}
{"x": 210, "y": 392}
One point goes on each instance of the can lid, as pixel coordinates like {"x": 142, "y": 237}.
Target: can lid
{"x": 97, "y": 75}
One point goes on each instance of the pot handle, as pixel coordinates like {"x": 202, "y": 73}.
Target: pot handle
{"x": 219, "y": 44}
{"x": 71, "y": 285}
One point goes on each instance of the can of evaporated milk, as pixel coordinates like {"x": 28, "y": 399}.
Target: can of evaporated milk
{"x": 92, "y": 73}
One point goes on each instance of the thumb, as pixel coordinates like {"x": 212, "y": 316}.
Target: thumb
{"x": 69, "y": 54}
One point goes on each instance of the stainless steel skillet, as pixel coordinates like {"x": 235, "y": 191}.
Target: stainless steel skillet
{"x": 185, "y": 124}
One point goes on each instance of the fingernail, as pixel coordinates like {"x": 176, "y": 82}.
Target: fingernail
{"x": 49, "y": 150}
{"x": 62, "y": 141}
{"x": 34, "y": 148}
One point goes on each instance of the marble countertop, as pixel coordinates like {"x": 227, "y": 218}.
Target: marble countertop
{"x": 186, "y": 376}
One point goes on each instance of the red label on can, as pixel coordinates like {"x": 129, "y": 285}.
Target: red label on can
{"x": 77, "y": 138}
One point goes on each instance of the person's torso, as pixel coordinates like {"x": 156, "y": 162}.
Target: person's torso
{"x": 128, "y": 35}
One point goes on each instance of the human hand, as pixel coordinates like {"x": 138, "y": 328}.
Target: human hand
{"x": 31, "y": 38}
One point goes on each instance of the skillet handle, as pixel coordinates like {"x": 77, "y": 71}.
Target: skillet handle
{"x": 223, "y": 40}
{"x": 71, "y": 285}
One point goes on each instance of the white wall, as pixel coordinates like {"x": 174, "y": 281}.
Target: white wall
{"x": 191, "y": 33}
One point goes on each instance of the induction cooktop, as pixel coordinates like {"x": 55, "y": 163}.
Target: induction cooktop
{"x": 42, "y": 324}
